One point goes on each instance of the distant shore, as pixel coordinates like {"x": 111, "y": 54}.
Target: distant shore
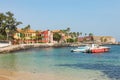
{"x": 13, "y": 48}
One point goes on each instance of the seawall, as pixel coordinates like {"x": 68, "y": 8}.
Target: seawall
{"x": 13, "y": 48}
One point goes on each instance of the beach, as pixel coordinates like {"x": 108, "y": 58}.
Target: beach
{"x": 11, "y": 75}
{"x": 59, "y": 64}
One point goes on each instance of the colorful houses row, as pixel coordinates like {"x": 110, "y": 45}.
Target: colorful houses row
{"x": 32, "y": 36}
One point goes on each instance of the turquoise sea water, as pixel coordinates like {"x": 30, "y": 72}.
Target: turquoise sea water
{"x": 63, "y": 62}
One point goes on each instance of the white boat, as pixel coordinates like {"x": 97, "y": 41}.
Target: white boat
{"x": 80, "y": 49}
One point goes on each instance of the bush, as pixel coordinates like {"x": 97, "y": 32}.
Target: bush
{"x": 70, "y": 40}
{"x": 2, "y": 37}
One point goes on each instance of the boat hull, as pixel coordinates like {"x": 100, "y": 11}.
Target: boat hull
{"x": 99, "y": 50}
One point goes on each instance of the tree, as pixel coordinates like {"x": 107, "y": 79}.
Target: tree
{"x": 78, "y": 34}
{"x": 71, "y": 34}
{"x": 2, "y": 37}
{"x": 7, "y": 21}
{"x": 85, "y": 34}
{"x": 22, "y": 36}
{"x": 26, "y": 28}
{"x": 68, "y": 29}
{"x": 75, "y": 34}
{"x": 90, "y": 34}
{"x": 70, "y": 40}
{"x": 56, "y": 37}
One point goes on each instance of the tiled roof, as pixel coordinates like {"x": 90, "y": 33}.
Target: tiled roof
{"x": 28, "y": 31}
{"x": 55, "y": 30}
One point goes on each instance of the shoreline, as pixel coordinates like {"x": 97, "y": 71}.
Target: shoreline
{"x": 12, "y": 48}
{"x": 23, "y": 75}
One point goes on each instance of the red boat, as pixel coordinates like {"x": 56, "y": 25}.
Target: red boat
{"x": 94, "y": 48}
{"x": 100, "y": 50}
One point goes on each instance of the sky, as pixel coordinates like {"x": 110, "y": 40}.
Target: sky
{"x": 100, "y": 17}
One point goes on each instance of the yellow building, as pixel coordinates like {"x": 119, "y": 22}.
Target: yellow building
{"x": 26, "y": 36}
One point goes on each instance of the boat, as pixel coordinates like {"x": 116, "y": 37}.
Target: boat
{"x": 95, "y": 48}
{"x": 80, "y": 49}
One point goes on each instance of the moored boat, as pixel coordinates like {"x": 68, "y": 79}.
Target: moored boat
{"x": 80, "y": 49}
{"x": 94, "y": 48}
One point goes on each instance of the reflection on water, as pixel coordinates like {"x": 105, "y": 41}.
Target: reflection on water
{"x": 62, "y": 62}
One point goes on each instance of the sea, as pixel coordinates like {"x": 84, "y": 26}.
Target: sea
{"x": 62, "y": 62}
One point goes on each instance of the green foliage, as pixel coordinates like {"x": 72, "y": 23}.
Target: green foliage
{"x": 2, "y": 37}
{"x": 7, "y": 21}
{"x": 22, "y": 35}
{"x": 26, "y": 28}
{"x": 70, "y": 40}
{"x": 90, "y": 34}
{"x": 68, "y": 29}
{"x": 78, "y": 34}
{"x": 76, "y": 40}
{"x": 56, "y": 37}
{"x": 85, "y": 34}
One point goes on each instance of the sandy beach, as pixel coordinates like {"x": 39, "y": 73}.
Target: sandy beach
{"x": 11, "y": 75}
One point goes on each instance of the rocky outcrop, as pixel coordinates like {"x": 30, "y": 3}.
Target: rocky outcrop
{"x": 105, "y": 39}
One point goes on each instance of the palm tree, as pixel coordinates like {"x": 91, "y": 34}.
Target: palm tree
{"x": 90, "y": 34}
{"x": 57, "y": 37}
{"x": 74, "y": 33}
{"x": 27, "y": 28}
{"x": 85, "y": 34}
{"x": 80, "y": 33}
{"x": 22, "y": 36}
{"x": 68, "y": 29}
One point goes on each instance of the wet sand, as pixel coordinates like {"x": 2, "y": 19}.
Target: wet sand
{"x": 11, "y": 75}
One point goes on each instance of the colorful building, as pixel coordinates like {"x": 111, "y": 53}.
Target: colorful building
{"x": 25, "y": 36}
{"x": 47, "y": 36}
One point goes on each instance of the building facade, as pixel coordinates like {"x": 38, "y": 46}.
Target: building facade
{"x": 25, "y": 36}
{"x": 47, "y": 36}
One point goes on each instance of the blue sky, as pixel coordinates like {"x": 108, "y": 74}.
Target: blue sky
{"x": 100, "y": 17}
